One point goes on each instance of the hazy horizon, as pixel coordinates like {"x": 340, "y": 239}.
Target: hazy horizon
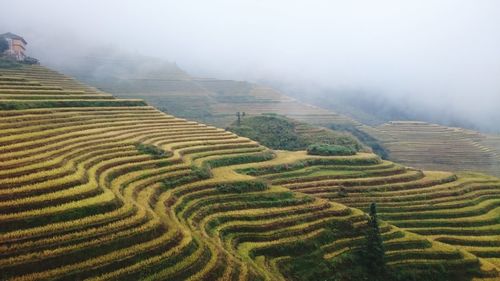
{"x": 439, "y": 58}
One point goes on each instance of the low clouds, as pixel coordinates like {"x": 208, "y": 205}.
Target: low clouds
{"x": 438, "y": 56}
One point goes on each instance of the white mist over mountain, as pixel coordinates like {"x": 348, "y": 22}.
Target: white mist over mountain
{"x": 440, "y": 58}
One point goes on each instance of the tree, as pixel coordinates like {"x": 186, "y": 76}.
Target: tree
{"x": 4, "y": 45}
{"x": 238, "y": 114}
{"x": 374, "y": 251}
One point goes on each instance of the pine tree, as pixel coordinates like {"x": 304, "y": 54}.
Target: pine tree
{"x": 374, "y": 251}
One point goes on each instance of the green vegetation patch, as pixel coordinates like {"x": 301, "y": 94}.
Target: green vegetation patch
{"x": 239, "y": 159}
{"x": 152, "y": 150}
{"x": 330, "y": 150}
{"x": 279, "y": 132}
{"x": 365, "y": 138}
{"x": 6, "y": 63}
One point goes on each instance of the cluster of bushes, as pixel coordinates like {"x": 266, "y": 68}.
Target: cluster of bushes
{"x": 270, "y": 130}
{"x": 7, "y": 63}
{"x": 241, "y": 186}
{"x": 330, "y": 150}
{"x": 279, "y": 132}
{"x": 365, "y": 138}
{"x": 152, "y": 150}
{"x": 240, "y": 159}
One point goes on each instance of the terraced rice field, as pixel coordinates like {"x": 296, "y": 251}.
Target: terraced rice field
{"x": 217, "y": 101}
{"x": 111, "y": 189}
{"x": 38, "y": 87}
{"x": 460, "y": 210}
{"x": 432, "y": 146}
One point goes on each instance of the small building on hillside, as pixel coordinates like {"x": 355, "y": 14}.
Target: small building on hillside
{"x": 17, "y": 46}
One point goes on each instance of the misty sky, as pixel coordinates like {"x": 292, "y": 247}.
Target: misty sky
{"x": 441, "y": 54}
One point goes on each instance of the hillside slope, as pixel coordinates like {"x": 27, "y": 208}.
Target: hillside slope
{"x": 456, "y": 209}
{"x": 98, "y": 188}
{"x": 170, "y": 89}
{"x": 432, "y": 146}
{"x": 216, "y": 102}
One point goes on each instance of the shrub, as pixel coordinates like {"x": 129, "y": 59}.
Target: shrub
{"x": 272, "y": 131}
{"x": 8, "y": 63}
{"x": 152, "y": 150}
{"x": 30, "y": 60}
{"x": 365, "y": 138}
{"x": 330, "y": 150}
{"x": 239, "y": 159}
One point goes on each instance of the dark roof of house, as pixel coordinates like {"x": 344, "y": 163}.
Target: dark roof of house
{"x": 13, "y": 36}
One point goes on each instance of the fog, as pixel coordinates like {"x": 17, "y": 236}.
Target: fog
{"x": 431, "y": 58}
